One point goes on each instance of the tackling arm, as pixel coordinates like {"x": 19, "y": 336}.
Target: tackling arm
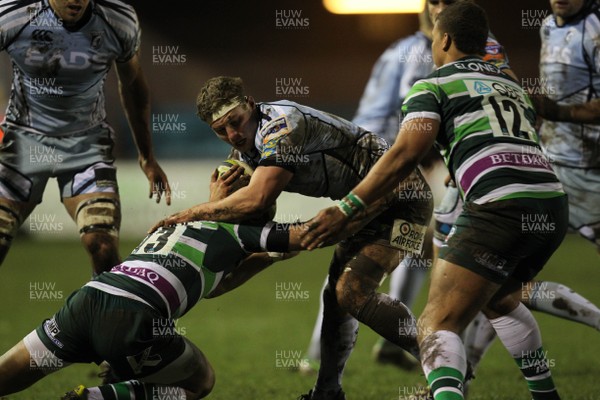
{"x": 265, "y": 186}
{"x": 414, "y": 141}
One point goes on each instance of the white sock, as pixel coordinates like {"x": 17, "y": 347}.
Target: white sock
{"x": 479, "y": 336}
{"x": 520, "y": 335}
{"x": 557, "y": 299}
{"x": 444, "y": 362}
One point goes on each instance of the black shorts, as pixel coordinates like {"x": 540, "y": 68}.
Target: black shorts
{"x": 507, "y": 238}
{"x": 94, "y": 326}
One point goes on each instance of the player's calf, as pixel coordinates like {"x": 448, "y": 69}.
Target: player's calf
{"x": 356, "y": 292}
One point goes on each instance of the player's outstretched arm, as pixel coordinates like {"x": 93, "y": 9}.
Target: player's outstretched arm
{"x": 265, "y": 186}
{"x": 135, "y": 97}
{"x": 414, "y": 141}
{"x": 258, "y": 262}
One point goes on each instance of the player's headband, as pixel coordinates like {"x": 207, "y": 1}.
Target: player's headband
{"x": 225, "y": 108}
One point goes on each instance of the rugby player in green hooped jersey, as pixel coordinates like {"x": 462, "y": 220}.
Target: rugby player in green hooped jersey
{"x": 482, "y": 121}
{"x": 161, "y": 280}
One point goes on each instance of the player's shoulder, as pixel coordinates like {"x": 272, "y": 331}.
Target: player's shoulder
{"x": 120, "y": 15}
{"x": 15, "y": 11}
{"x": 592, "y": 22}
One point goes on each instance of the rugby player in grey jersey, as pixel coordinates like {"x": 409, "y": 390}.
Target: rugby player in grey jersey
{"x": 504, "y": 178}
{"x": 299, "y": 149}
{"x": 55, "y": 124}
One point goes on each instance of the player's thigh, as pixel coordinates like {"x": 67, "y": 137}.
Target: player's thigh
{"x": 456, "y": 294}
{"x": 17, "y": 371}
{"x": 362, "y": 271}
{"x": 191, "y": 371}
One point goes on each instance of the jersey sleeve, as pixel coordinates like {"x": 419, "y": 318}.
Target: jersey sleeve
{"x": 495, "y": 53}
{"x": 124, "y": 21}
{"x": 283, "y": 141}
{"x": 256, "y": 239}
{"x": 13, "y": 16}
{"x": 422, "y": 101}
{"x": 591, "y": 41}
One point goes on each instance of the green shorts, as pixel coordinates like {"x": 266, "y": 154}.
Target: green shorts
{"x": 93, "y": 326}
{"x": 508, "y": 238}
{"x": 81, "y": 163}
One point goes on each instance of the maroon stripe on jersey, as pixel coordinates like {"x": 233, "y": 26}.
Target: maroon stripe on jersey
{"x": 152, "y": 278}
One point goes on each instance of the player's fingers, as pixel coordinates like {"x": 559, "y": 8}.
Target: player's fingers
{"x": 168, "y": 194}
{"x": 214, "y": 176}
{"x": 234, "y": 173}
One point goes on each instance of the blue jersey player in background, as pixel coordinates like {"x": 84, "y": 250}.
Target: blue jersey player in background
{"x": 55, "y": 123}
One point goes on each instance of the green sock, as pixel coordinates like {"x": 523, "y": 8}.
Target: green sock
{"x": 446, "y": 383}
{"x": 536, "y": 370}
{"x": 131, "y": 390}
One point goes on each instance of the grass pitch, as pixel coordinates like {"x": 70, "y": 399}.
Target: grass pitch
{"x": 252, "y": 336}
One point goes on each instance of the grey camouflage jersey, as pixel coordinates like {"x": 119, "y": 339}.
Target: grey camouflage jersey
{"x": 327, "y": 154}
{"x": 59, "y": 72}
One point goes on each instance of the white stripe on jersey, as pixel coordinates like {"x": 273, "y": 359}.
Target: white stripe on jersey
{"x": 468, "y": 118}
{"x": 519, "y": 187}
{"x": 196, "y": 244}
{"x": 471, "y": 75}
{"x": 421, "y": 114}
{"x": 116, "y": 291}
{"x": 420, "y": 93}
{"x": 218, "y": 277}
{"x": 264, "y": 235}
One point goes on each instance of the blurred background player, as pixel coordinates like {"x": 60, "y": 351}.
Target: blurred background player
{"x": 487, "y": 255}
{"x": 570, "y": 70}
{"x": 55, "y": 121}
{"x": 299, "y": 149}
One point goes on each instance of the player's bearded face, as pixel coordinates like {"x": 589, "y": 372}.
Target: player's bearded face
{"x": 70, "y": 11}
{"x": 237, "y": 128}
{"x": 566, "y": 8}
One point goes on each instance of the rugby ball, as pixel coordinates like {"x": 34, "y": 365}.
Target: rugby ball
{"x": 226, "y": 166}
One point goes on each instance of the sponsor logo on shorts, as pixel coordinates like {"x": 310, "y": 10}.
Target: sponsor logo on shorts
{"x": 491, "y": 261}
{"x": 408, "y": 236}
{"x": 51, "y": 329}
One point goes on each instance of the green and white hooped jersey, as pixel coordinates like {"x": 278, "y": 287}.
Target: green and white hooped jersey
{"x": 173, "y": 268}
{"x": 486, "y": 134}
